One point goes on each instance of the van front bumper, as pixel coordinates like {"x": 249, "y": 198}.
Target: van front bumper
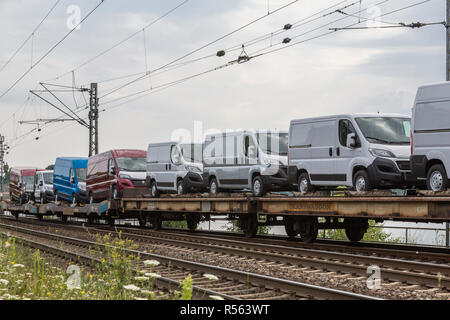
{"x": 194, "y": 182}
{"x": 385, "y": 173}
{"x": 278, "y": 180}
{"x": 82, "y": 196}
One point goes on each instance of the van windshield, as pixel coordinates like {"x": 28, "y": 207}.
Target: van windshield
{"x": 192, "y": 152}
{"x": 385, "y": 130}
{"x": 131, "y": 164}
{"x": 28, "y": 180}
{"x": 48, "y": 177}
{"x": 273, "y": 143}
{"x": 81, "y": 174}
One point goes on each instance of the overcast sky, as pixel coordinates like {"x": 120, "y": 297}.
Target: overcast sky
{"x": 347, "y": 71}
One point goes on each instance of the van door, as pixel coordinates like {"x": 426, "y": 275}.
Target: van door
{"x": 344, "y": 154}
{"x": 323, "y": 153}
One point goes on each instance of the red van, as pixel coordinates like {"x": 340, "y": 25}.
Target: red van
{"x": 110, "y": 172}
{"x": 21, "y": 184}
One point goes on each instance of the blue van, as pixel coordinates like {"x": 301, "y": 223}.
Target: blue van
{"x": 69, "y": 179}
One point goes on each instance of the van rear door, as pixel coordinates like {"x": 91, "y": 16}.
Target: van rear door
{"x": 323, "y": 153}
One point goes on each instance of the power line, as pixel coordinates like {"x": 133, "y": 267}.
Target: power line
{"x": 413, "y": 25}
{"x": 122, "y": 41}
{"x": 204, "y": 46}
{"x": 29, "y": 37}
{"x": 49, "y": 51}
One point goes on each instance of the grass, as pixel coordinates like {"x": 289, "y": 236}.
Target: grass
{"x": 25, "y": 274}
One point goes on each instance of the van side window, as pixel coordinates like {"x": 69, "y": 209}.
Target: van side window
{"x": 110, "y": 165}
{"x": 248, "y": 142}
{"x": 345, "y": 128}
{"x": 174, "y": 154}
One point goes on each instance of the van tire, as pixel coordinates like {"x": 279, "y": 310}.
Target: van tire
{"x": 437, "y": 179}
{"x": 361, "y": 181}
{"x": 258, "y": 187}
{"x": 304, "y": 183}
{"x": 180, "y": 187}
{"x": 213, "y": 190}
{"x": 154, "y": 189}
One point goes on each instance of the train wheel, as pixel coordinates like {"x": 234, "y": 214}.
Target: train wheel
{"x": 16, "y": 215}
{"x": 142, "y": 222}
{"x": 355, "y": 229}
{"x": 111, "y": 221}
{"x": 64, "y": 218}
{"x": 40, "y": 217}
{"x": 249, "y": 225}
{"x": 91, "y": 219}
{"x": 289, "y": 226}
{"x": 309, "y": 228}
{"x": 192, "y": 222}
{"x": 156, "y": 222}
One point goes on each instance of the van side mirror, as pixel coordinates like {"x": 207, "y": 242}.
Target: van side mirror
{"x": 72, "y": 180}
{"x": 351, "y": 140}
{"x": 252, "y": 152}
{"x": 41, "y": 183}
{"x": 112, "y": 171}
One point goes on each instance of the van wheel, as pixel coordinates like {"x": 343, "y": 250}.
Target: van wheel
{"x": 213, "y": 187}
{"x": 437, "y": 179}
{"x": 304, "y": 184}
{"x": 154, "y": 190}
{"x": 361, "y": 181}
{"x": 180, "y": 188}
{"x": 91, "y": 198}
{"x": 258, "y": 187}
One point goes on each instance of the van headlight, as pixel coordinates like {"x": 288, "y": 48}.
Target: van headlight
{"x": 382, "y": 153}
{"x": 193, "y": 169}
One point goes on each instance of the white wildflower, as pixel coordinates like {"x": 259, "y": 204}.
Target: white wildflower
{"x": 141, "y": 279}
{"x": 152, "y": 275}
{"x": 18, "y": 265}
{"x": 211, "y": 277}
{"x": 7, "y": 245}
{"x": 131, "y": 287}
{"x": 4, "y": 282}
{"x": 152, "y": 263}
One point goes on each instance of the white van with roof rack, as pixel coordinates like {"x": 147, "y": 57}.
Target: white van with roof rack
{"x": 360, "y": 151}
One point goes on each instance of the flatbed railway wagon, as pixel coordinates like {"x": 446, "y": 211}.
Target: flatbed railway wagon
{"x": 301, "y": 216}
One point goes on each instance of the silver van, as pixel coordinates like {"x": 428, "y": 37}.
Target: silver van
{"x": 430, "y": 135}
{"x": 174, "y": 168}
{"x": 240, "y": 160}
{"x": 361, "y": 151}
{"x": 43, "y": 186}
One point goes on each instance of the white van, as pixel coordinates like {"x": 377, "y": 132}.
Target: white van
{"x": 431, "y": 135}
{"x": 43, "y": 186}
{"x": 174, "y": 167}
{"x": 362, "y": 151}
{"x": 255, "y": 160}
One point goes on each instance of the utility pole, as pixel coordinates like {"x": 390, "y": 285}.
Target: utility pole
{"x": 3, "y": 148}
{"x": 447, "y": 72}
{"x": 93, "y": 120}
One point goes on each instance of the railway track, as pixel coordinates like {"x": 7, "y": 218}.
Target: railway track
{"x": 415, "y": 274}
{"x": 232, "y": 284}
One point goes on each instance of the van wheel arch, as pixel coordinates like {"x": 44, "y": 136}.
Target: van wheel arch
{"x": 433, "y": 162}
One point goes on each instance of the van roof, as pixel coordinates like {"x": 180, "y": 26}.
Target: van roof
{"x": 76, "y": 162}
{"x": 24, "y": 171}
{"x": 433, "y": 91}
{"x": 129, "y": 153}
{"x": 251, "y": 131}
{"x": 352, "y": 115}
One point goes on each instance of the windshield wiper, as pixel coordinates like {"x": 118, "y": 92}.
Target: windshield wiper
{"x": 380, "y": 140}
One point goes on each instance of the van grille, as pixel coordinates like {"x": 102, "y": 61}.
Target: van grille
{"x": 138, "y": 183}
{"x": 404, "y": 165}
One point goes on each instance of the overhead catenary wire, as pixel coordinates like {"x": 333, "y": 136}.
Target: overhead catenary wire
{"x": 90, "y": 60}
{"x": 31, "y": 36}
{"x": 50, "y": 50}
